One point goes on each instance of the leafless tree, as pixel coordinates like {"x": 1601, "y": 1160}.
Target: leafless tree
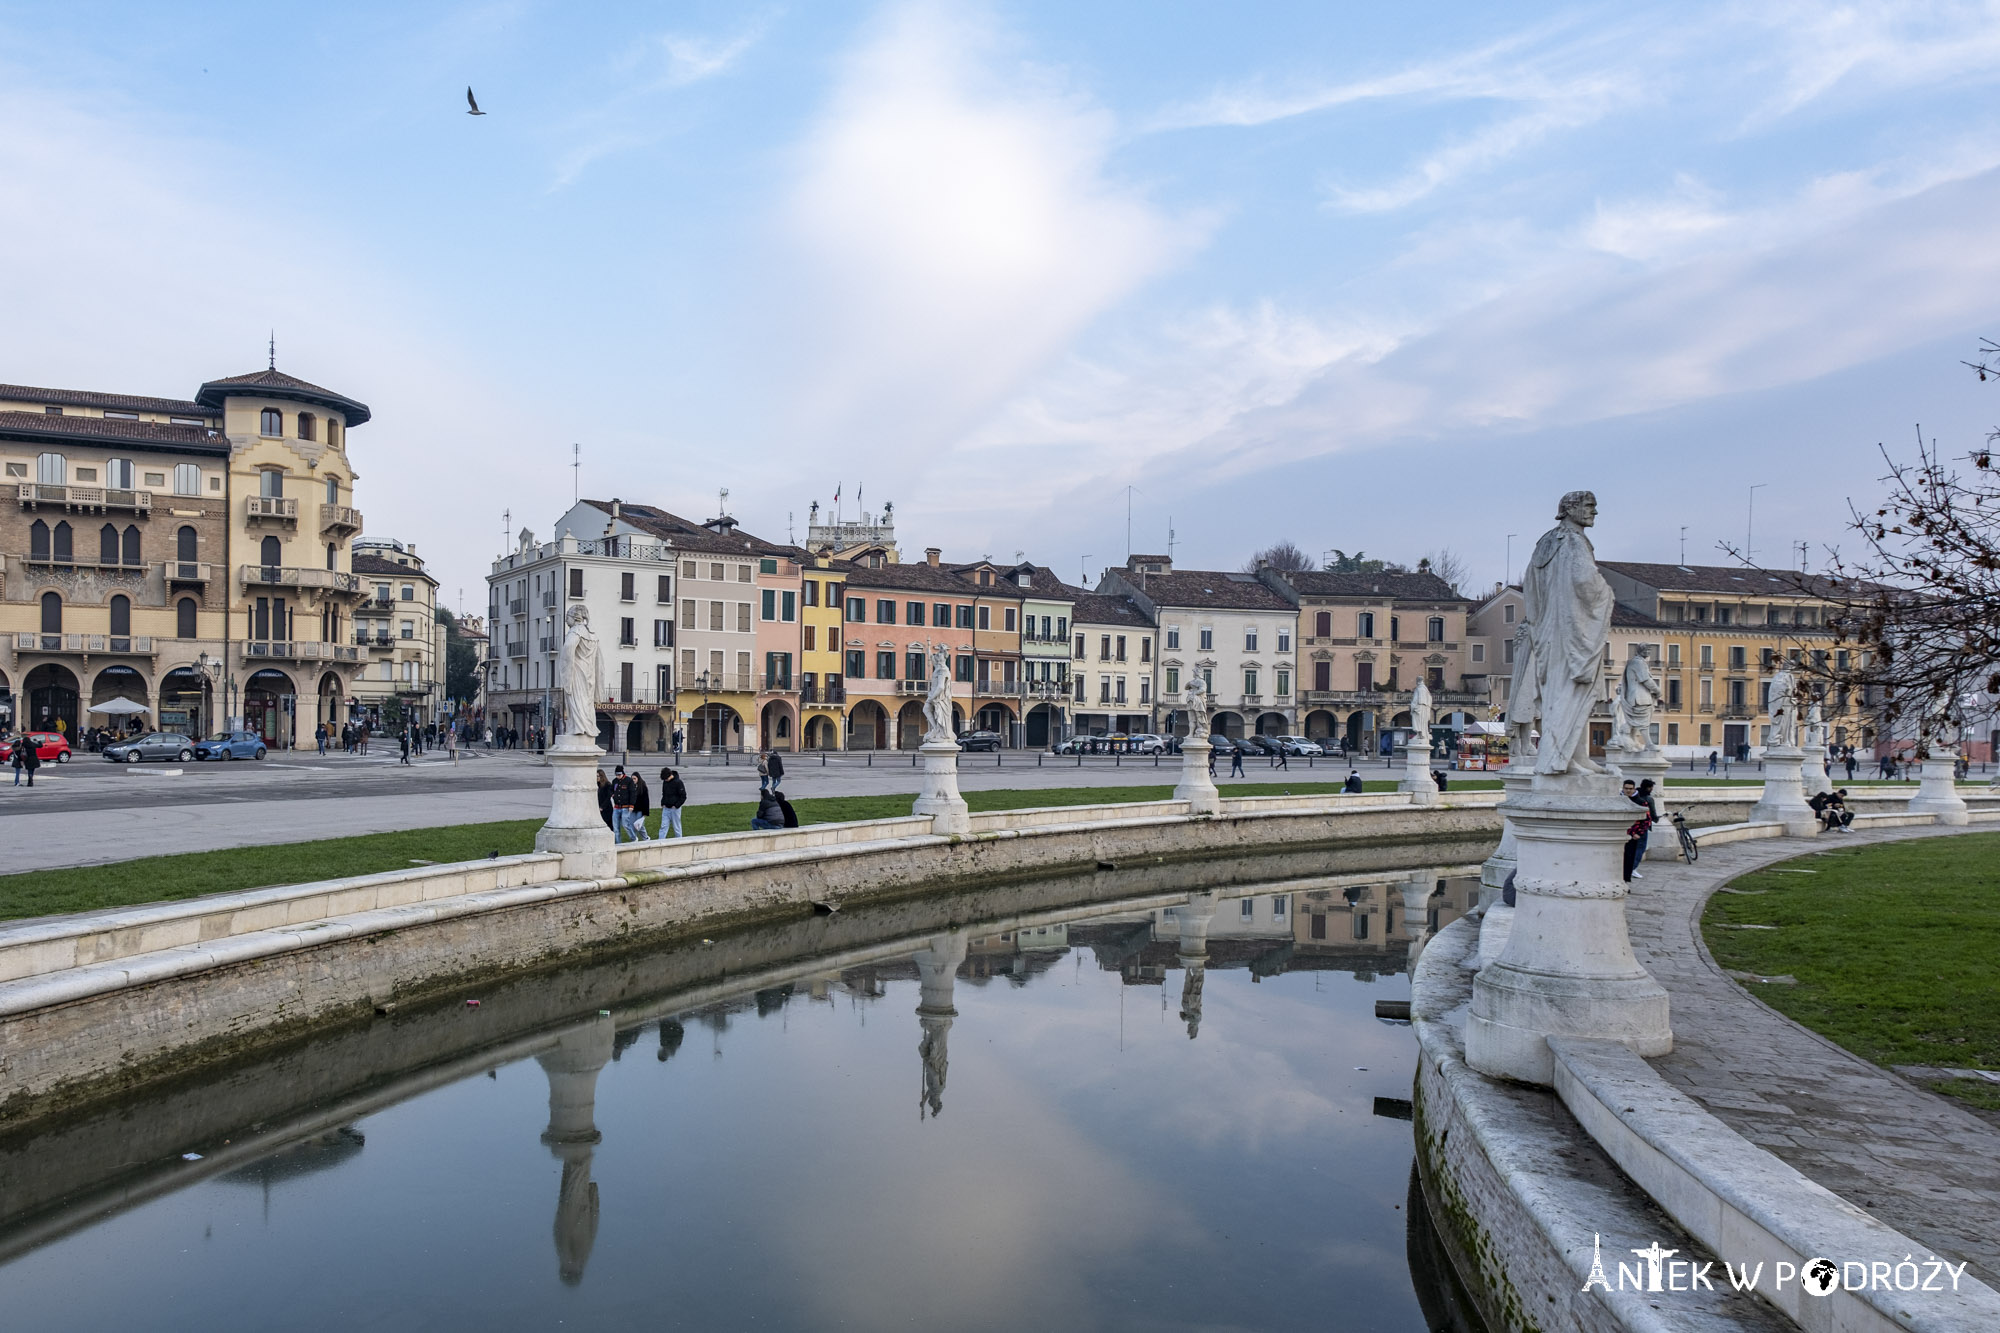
{"x": 1284, "y": 556}
{"x": 1448, "y": 565}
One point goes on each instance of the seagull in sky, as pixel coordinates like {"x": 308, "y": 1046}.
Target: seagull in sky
{"x": 472, "y": 102}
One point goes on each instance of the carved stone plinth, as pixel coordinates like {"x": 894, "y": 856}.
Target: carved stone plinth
{"x": 1196, "y": 787}
{"x": 1814, "y": 778}
{"x": 1784, "y": 798}
{"x": 1646, "y": 763}
{"x": 1516, "y": 779}
{"x": 1416, "y": 781}
{"x": 1937, "y": 790}
{"x": 575, "y": 829}
{"x": 1567, "y": 968}
{"x": 939, "y": 798}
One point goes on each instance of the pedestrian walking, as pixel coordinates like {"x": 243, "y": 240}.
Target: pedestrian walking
{"x": 1211, "y": 761}
{"x": 604, "y": 801}
{"x": 1848, "y": 763}
{"x": 621, "y": 805}
{"x": 1236, "y": 762}
{"x": 26, "y": 758}
{"x": 642, "y": 804}
{"x": 673, "y": 795}
{"x": 405, "y": 737}
{"x": 763, "y": 770}
{"x": 451, "y": 744}
{"x": 777, "y": 762}
{"x": 319, "y": 739}
{"x": 1284, "y": 759}
{"x": 1714, "y": 756}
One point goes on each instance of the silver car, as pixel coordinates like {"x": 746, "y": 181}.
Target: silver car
{"x": 153, "y": 745}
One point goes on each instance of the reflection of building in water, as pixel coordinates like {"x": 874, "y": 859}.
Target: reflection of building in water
{"x": 937, "y": 971}
{"x": 572, "y": 1068}
{"x": 1380, "y": 919}
{"x": 302, "y": 1157}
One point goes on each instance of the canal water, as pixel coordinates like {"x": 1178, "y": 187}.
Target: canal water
{"x": 1168, "y": 1112}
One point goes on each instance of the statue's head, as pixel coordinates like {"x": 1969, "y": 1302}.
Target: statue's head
{"x": 1579, "y": 507}
{"x": 577, "y": 615}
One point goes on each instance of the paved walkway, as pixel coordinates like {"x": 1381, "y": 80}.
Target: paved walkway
{"x": 1913, "y": 1159}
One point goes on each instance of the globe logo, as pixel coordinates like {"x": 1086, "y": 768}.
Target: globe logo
{"x": 1820, "y": 1276}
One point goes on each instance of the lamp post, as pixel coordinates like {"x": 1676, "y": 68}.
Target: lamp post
{"x": 706, "y": 683}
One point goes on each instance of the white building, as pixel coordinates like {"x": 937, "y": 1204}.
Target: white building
{"x": 1236, "y": 634}
{"x": 1111, "y": 666}
{"x": 399, "y": 622}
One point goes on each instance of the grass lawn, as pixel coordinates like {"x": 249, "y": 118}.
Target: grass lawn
{"x": 1896, "y": 949}
{"x": 190, "y": 874}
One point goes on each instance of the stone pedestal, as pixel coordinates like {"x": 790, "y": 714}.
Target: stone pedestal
{"x": 1417, "y": 892}
{"x": 939, "y": 798}
{"x": 572, "y": 1136}
{"x": 1196, "y": 787}
{"x": 1193, "y": 919}
{"x": 1647, "y": 763}
{"x": 1814, "y": 778}
{"x": 1937, "y": 790}
{"x": 1784, "y": 798}
{"x": 575, "y": 829}
{"x": 937, "y": 978}
{"x": 1516, "y": 779}
{"x": 1416, "y": 780}
{"x": 1567, "y": 968}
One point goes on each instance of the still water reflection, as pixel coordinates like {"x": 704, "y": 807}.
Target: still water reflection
{"x": 1157, "y": 1114}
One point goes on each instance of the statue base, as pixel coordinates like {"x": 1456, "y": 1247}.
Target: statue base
{"x": 1567, "y": 967}
{"x": 575, "y": 829}
{"x": 1784, "y": 798}
{"x": 1937, "y": 791}
{"x": 939, "y": 798}
{"x": 1416, "y": 780}
{"x": 1639, "y": 765}
{"x": 1516, "y": 779}
{"x": 1815, "y": 778}
{"x": 1196, "y": 787}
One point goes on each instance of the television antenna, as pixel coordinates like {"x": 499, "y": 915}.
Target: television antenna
{"x": 576, "y": 473}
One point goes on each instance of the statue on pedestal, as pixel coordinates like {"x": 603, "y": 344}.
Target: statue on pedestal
{"x": 1421, "y": 711}
{"x": 937, "y": 700}
{"x": 1632, "y": 707}
{"x": 1195, "y": 700}
{"x": 1524, "y": 702}
{"x": 1569, "y": 623}
{"x": 1784, "y": 709}
{"x": 579, "y": 675}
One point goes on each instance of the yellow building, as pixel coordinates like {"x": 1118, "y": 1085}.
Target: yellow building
{"x": 190, "y": 556}
{"x": 822, "y": 689}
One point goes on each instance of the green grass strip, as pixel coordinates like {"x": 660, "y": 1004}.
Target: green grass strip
{"x": 154, "y": 879}
{"x": 1896, "y": 949}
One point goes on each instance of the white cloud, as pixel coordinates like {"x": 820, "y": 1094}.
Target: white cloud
{"x": 692, "y": 59}
{"x": 952, "y": 226}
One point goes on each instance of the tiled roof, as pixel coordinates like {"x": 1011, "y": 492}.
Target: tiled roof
{"x": 375, "y": 564}
{"x": 277, "y": 384}
{"x": 117, "y": 402}
{"x": 1209, "y": 588}
{"x": 1733, "y": 581}
{"x": 1624, "y": 617}
{"x": 1412, "y": 586}
{"x": 922, "y": 576}
{"x": 100, "y": 430}
{"x": 1103, "y": 609}
{"x": 687, "y": 535}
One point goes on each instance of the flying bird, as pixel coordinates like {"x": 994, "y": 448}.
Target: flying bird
{"x": 472, "y": 102}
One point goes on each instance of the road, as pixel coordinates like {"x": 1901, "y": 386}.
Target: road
{"x": 90, "y": 811}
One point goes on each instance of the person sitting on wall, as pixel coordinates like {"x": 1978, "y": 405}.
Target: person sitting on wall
{"x": 1351, "y": 787}
{"x": 791, "y": 815}
{"x": 1437, "y": 776}
{"x": 770, "y": 811}
{"x": 1831, "y": 808}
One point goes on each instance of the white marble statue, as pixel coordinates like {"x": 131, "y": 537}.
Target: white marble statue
{"x": 1784, "y": 709}
{"x": 1815, "y": 738}
{"x": 1569, "y": 623}
{"x": 1941, "y": 729}
{"x": 937, "y": 700}
{"x": 1632, "y": 707}
{"x": 579, "y": 675}
{"x": 1421, "y": 710}
{"x": 1524, "y": 701}
{"x": 1195, "y": 700}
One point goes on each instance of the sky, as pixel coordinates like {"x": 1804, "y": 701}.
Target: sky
{"x": 1376, "y": 278}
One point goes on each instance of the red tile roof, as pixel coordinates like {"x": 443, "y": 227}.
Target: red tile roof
{"x": 277, "y": 384}
{"x": 39, "y": 426}
{"x": 117, "y": 402}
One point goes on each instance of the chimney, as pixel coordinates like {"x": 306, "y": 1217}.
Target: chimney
{"x": 931, "y": 555}
{"x": 616, "y": 506}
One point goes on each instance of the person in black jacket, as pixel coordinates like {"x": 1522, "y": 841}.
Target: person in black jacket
{"x": 642, "y": 803}
{"x": 1351, "y": 787}
{"x": 673, "y": 795}
{"x": 777, "y": 765}
{"x": 604, "y": 801}
{"x": 27, "y": 758}
{"x": 791, "y": 819}
{"x": 770, "y": 813}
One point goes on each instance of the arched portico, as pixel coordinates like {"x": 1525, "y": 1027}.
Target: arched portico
{"x": 867, "y": 726}
{"x": 52, "y": 692}
{"x": 1321, "y": 725}
{"x": 910, "y": 726}
{"x": 714, "y": 726}
{"x": 187, "y": 702}
{"x": 1270, "y": 724}
{"x": 1041, "y": 727}
{"x": 822, "y": 732}
{"x": 997, "y": 717}
{"x": 776, "y": 727}
{"x": 120, "y": 682}
{"x": 1226, "y": 724}
{"x": 270, "y": 707}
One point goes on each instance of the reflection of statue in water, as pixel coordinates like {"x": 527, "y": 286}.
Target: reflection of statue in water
{"x": 672, "y": 1034}
{"x": 572, "y": 1069}
{"x": 937, "y": 975}
{"x": 1192, "y": 921}
{"x": 1569, "y": 622}
{"x": 937, "y": 700}
{"x": 1195, "y": 700}
{"x": 1784, "y": 709}
{"x": 579, "y": 675}
{"x": 1632, "y": 706}
{"x": 1524, "y": 702}
{"x": 1192, "y": 978}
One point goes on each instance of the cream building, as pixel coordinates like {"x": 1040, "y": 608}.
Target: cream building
{"x": 398, "y": 625}
{"x": 189, "y": 555}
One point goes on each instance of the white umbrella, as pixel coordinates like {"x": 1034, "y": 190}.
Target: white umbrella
{"x": 120, "y": 707}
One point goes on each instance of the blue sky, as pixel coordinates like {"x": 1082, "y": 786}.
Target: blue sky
{"x": 1362, "y": 276}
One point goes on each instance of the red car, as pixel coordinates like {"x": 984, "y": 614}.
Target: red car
{"x": 50, "y": 748}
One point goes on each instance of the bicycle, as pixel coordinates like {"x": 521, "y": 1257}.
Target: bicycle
{"x": 1689, "y": 849}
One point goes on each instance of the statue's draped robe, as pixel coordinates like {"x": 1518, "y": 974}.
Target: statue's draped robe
{"x": 581, "y": 680}
{"x": 1569, "y": 618}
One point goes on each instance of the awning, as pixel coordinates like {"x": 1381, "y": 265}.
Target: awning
{"x": 119, "y": 707}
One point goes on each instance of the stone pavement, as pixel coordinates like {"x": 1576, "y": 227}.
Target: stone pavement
{"x": 1913, "y": 1159}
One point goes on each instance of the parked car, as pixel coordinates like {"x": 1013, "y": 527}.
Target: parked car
{"x": 1074, "y": 745}
{"x": 1221, "y": 746}
{"x": 231, "y": 745}
{"x": 1301, "y": 745}
{"x": 1147, "y": 743}
{"x": 50, "y": 747}
{"x": 1260, "y": 745}
{"x": 152, "y": 745}
{"x": 979, "y": 740}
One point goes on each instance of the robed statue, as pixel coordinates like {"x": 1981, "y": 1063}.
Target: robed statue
{"x": 1784, "y": 710}
{"x": 1421, "y": 711}
{"x": 579, "y": 675}
{"x": 1195, "y": 700}
{"x": 1569, "y": 624}
{"x": 1524, "y": 701}
{"x": 937, "y": 699}
{"x": 1632, "y": 706}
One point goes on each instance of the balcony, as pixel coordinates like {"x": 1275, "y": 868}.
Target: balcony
{"x": 999, "y": 689}
{"x": 306, "y": 580}
{"x": 517, "y": 606}
{"x": 777, "y": 685}
{"x": 275, "y": 508}
{"x": 84, "y": 562}
{"x": 917, "y": 687}
{"x": 137, "y": 645}
{"x": 187, "y": 571}
{"x": 339, "y": 521}
{"x": 364, "y": 639}
{"x": 721, "y": 682}
{"x": 830, "y": 695}
{"x": 85, "y": 497}
{"x": 300, "y": 651}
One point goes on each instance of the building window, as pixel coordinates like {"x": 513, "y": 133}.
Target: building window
{"x": 1145, "y": 648}
{"x": 1364, "y": 625}
{"x": 38, "y": 540}
{"x": 811, "y": 589}
{"x": 121, "y": 615}
{"x": 62, "y": 554}
{"x": 941, "y": 615}
{"x": 1284, "y": 641}
{"x": 576, "y": 583}
{"x": 812, "y": 638}
{"x": 743, "y": 616}
{"x": 1250, "y": 681}
{"x": 1174, "y": 637}
{"x": 963, "y": 667}
{"x": 628, "y": 632}
{"x": 1737, "y": 657}
{"x": 628, "y": 589}
{"x": 769, "y": 604}
{"x": 1395, "y": 628}
{"x": 885, "y": 666}
{"x": 965, "y": 617}
{"x": 663, "y": 633}
{"x": 1708, "y": 656}
{"x": 885, "y": 611}
{"x": 913, "y": 614}
{"x": 409, "y": 592}
{"x": 131, "y": 545}
{"x": 1674, "y": 655}
{"x": 1323, "y": 625}
{"x": 1246, "y": 909}
{"x": 332, "y": 487}
{"x": 687, "y": 612}
{"x": 913, "y": 665}
{"x": 1207, "y": 641}
{"x": 51, "y": 613}
{"x": 1249, "y": 640}
{"x": 184, "y": 613}
{"x": 107, "y": 544}
{"x": 1364, "y": 676}
{"x": 118, "y": 474}
{"x": 187, "y": 479}
{"x": 409, "y": 628}
{"x": 986, "y": 617}
{"x": 1285, "y": 683}
{"x": 743, "y": 576}
{"x": 1674, "y": 693}
{"x": 715, "y": 617}
{"x": 1173, "y": 681}
{"x": 857, "y": 610}
{"x": 271, "y": 423}
{"x": 665, "y": 594}
{"x": 1479, "y": 652}
{"x": 1434, "y": 630}
{"x": 52, "y": 470}
{"x": 1010, "y": 618}
{"x": 1507, "y": 613}
{"x": 306, "y": 423}
{"x": 1121, "y": 648}
{"x": 767, "y": 566}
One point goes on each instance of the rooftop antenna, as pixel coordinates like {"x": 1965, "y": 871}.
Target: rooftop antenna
{"x": 1083, "y": 572}
{"x": 1684, "y": 546}
{"x": 1750, "y": 525}
{"x": 791, "y": 533}
{"x": 1805, "y": 551}
{"x": 274, "y": 349}
{"x": 576, "y": 473}
{"x": 1170, "y": 539}
{"x": 506, "y": 529}
{"x": 1128, "y": 521}
{"x": 1508, "y": 573}
{"x": 722, "y": 503}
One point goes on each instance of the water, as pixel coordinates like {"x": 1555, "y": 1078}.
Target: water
{"x": 1073, "y": 1119}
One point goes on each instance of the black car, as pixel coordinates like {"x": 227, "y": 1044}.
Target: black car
{"x": 979, "y": 740}
{"x": 1221, "y": 745}
{"x": 1259, "y": 745}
